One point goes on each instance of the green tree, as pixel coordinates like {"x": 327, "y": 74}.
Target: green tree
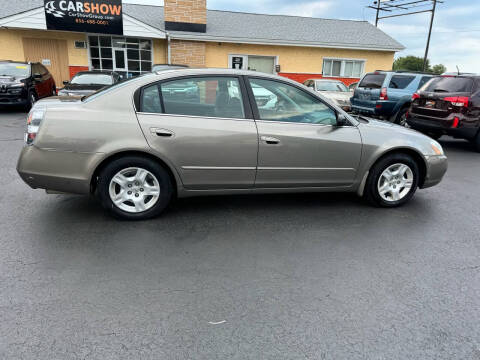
{"x": 438, "y": 69}
{"x": 410, "y": 63}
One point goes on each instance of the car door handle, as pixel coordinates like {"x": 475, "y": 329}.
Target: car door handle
{"x": 270, "y": 140}
{"x": 162, "y": 132}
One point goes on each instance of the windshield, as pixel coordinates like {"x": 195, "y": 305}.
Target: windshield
{"x": 90, "y": 79}
{"x": 14, "y": 69}
{"x": 331, "y": 86}
{"x": 110, "y": 88}
{"x": 448, "y": 84}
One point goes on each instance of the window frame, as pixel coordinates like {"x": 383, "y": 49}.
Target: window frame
{"x": 247, "y": 110}
{"x": 256, "y": 112}
{"x": 342, "y": 67}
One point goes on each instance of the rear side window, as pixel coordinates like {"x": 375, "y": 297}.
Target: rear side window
{"x": 423, "y": 81}
{"x": 449, "y": 84}
{"x": 374, "y": 81}
{"x": 208, "y": 97}
{"x": 400, "y": 81}
{"x": 150, "y": 101}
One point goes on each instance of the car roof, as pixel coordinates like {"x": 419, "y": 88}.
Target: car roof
{"x": 402, "y": 72}
{"x": 15, "y": 62}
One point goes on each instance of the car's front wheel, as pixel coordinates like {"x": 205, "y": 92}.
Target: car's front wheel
{"x": 134, "y": 188}
{"x": 392, "y": 181}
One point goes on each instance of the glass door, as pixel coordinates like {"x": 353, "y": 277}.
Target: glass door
{"x": 120, "y": 61}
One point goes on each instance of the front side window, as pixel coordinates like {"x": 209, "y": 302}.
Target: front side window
{"x": 290, "y": 104}
{"x": 209, "y": 97}
{"x": 343, "y": 68}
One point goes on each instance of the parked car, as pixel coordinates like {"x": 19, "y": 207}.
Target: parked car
{"x": 162, "y": 67}
{"x": 334, "y": 90}
{"x": 87, "y": 82}
{"x": 22, "y": 83}
{"x": 353, "y": 86}
{"x": 137, "y": 149}
{"x": 387, "y": 94}
{"x": 448, "y": 105}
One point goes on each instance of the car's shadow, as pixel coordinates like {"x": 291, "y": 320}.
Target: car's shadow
{"x": 452, "y": 144}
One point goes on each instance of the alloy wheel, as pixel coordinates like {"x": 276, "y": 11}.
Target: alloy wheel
{"x": 134, "y": 190}
{"x": 395, "y": 182}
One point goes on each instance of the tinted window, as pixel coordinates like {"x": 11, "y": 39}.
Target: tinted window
{"x": 150, "y": 101}
{"x": 400, "y": 81}
{"x": 209, "y": 97}
{"x": 290, "y": 104}
{"x": 449, "y": 84}
{"x": 374, "y": 81}
{"x": 423, "y": 80}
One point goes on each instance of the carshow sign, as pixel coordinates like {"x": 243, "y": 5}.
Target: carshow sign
{"x": 94, "y": 16}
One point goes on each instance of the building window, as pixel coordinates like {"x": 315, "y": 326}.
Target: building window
{"x": 127, "y": 56}
{"x": 343, "y": 68}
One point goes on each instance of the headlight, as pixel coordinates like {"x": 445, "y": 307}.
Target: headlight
{"x": 17, "y": 85}
{"x": 436, "y": 147}
{"x": 63, "y": 93}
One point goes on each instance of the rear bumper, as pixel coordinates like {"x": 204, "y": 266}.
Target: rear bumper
{"x": 436, "y": 168}
{"x": 442, "y": 126}
{"x": 375, "y": 108}
{"x": 56, "y": 170}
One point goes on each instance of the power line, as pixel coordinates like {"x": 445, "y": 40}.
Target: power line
{"x": 398, "y": 8}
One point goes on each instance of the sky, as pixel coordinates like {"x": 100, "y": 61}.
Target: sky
{"x": 456, "y": 29}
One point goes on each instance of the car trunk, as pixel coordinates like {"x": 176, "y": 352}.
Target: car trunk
{"x": 368, "y": 91}
{"x": 438, "y": 104}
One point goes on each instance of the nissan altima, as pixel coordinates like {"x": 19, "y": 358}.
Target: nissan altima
{"x": 177, "y": 133}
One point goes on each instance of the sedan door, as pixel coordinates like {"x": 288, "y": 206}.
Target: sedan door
{"x": 203, "y": 126}
{"x": 300, "y": 143}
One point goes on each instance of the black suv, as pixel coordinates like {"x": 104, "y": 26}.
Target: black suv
{"x": 448, "y": 105}
{"x": 23, "y": 83}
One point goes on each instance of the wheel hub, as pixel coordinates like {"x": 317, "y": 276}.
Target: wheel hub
{"x": 134, "y": 190}
{"x": 395, "y": 182}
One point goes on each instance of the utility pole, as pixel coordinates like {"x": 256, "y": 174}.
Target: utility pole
{"x": 425, "y": 59}
{"x": 378, "y": 12}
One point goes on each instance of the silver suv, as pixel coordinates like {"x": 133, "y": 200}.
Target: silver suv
{"x": 189, "y": 132}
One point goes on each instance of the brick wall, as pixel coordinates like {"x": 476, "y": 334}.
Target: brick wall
{"x": 186, "y": 11}
{"x": 191, "y": 53}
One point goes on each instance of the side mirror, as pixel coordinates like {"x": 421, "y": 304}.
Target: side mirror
{"x": 66, "y": 82}
{"x": 342, "y": 120}
{"x": 37, "y": 76}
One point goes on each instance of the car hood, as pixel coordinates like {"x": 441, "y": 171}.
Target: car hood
{"x": 11, "y": 79}
{"x": 337, "y": 95}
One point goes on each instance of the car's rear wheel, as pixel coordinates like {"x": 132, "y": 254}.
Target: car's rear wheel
{"x": 54, "y": 91}
{"x": 392, "y": 181}
{"x": 134, "y": 188}
{"x": 401, "y": 117}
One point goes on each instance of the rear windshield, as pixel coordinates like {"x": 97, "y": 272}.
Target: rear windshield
{"x": 448, "y": 85}
{"x": 374, "y": 81}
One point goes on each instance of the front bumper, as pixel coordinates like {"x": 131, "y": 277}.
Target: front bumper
{"x": 62, "y": 171}
{"x": 437, "y": 166}
{"x": 9, "y": 99}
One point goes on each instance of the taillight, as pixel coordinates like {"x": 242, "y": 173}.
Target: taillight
{"x": 415, "y": 96}
{"x": 34, "y": 120}
{"x": 456, "y": 120}
{"x": 458, "y": 100}
{"x": 383, "y": 94}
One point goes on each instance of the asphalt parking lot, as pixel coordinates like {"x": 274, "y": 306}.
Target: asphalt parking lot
{"x": 321, "y": 276}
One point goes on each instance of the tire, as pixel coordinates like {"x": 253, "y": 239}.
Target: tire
{"x": 377, "y": 178}
{"x": 54, "y": 91}
{"x": 401, "y": 117}
{"x": 133, "y": 193}
{"x": 32, "y": 99}
{"x": 476, "y": 142}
